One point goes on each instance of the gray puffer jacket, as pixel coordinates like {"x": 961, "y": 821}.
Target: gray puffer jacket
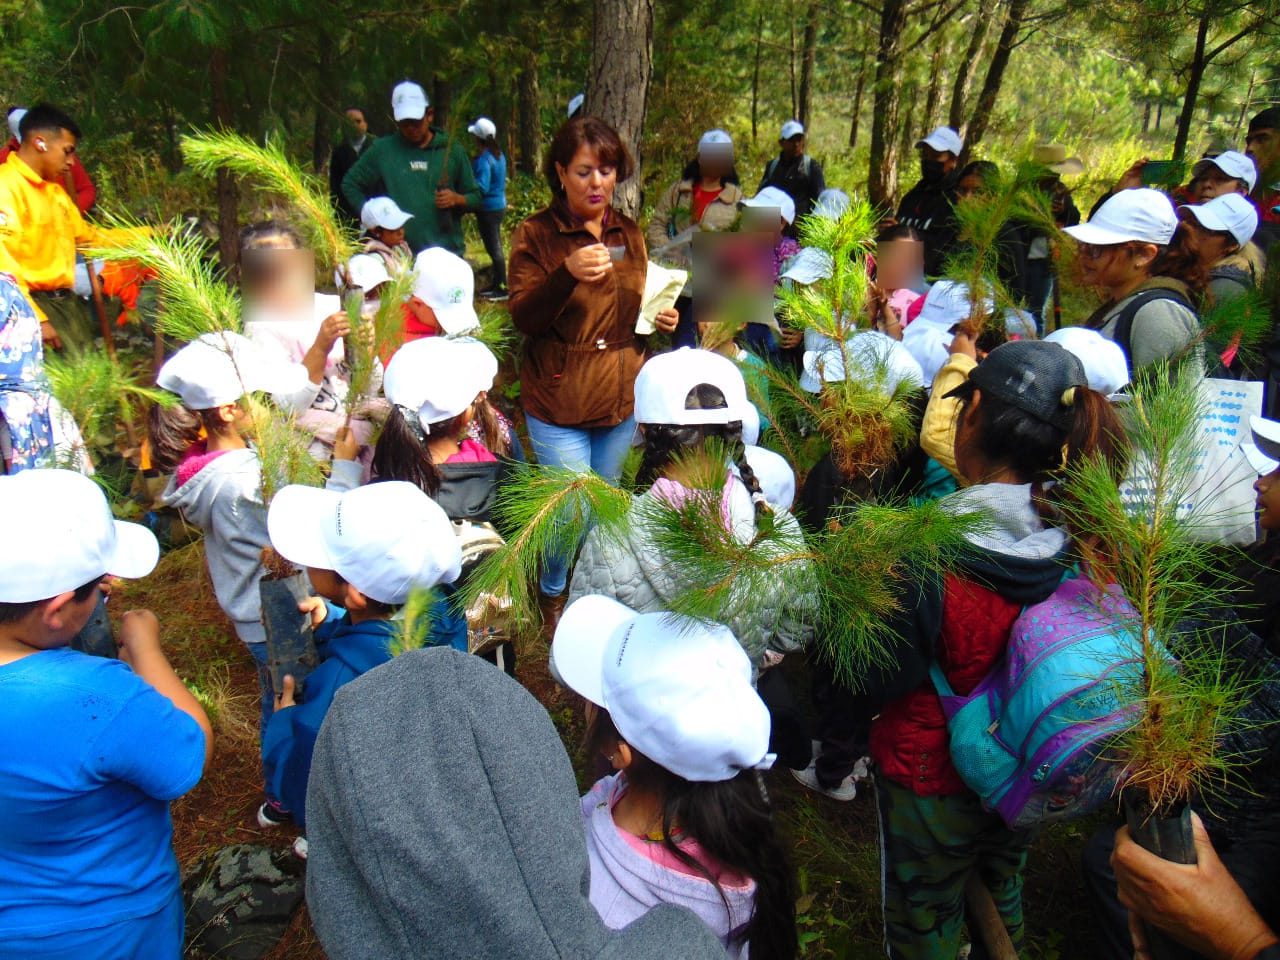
{"x": 630, "y": 570}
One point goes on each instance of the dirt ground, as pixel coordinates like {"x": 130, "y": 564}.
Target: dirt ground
{"x": 834, "y": 843}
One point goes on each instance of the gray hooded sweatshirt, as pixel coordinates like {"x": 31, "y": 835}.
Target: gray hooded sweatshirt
{"x": 225, "y": 501}
{"x": 443, "y": 822}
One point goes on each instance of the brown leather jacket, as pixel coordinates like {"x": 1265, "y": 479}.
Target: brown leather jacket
{"x": 581, "y": 352}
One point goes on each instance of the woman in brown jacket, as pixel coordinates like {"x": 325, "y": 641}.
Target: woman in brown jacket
{"x": 576, "y": 278}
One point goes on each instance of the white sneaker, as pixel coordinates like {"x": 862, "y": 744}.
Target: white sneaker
{"x": 845, "y": 792}
{"x": 300, "y": 848}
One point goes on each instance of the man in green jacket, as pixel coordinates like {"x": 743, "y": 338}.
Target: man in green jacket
{"x": 421, "y": 169}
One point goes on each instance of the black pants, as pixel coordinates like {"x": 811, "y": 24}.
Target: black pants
{"x": 490, "y": 224}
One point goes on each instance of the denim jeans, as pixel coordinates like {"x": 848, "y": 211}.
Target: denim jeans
{"x": 602, "y": 449}
{"x": 268, "y": 702}
{"x": 490, "y": 224}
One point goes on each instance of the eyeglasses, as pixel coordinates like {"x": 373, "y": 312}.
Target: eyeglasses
{"x": 1093, "y": 251}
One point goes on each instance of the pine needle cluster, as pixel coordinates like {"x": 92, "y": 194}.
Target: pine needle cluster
{"x": 282, "y": 450}
{"x": 1144, "y": 537}
{"x": 1243, "y": 322}
{"x": 415, "y": 621}
{"x": 835, "y": 307}
{"x": 496, "y": 331}
{"x": 373, "y": 338}
{"x": 98, "y": 392}
{"x": 268, "y": 168}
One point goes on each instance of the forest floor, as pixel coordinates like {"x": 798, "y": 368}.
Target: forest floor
{"x": 834, "y": 843}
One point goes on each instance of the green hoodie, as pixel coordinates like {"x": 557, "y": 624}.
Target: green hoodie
{"x": 409, "y": 175}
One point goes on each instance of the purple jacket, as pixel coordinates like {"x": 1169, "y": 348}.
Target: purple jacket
{"x": 626, "y": 884}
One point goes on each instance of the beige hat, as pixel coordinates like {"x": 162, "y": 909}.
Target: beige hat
{"x": 1054, "y": 156}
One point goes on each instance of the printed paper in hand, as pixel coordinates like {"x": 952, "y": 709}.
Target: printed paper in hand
{"x": 662, "y": 285}
{"x": 1218, "y": 501}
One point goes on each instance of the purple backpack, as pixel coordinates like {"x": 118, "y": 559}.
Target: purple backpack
{"x": 1032, "y": 739}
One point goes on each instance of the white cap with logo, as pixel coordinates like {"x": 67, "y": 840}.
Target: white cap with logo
{"x": 947, "y": 303}
{"x": 484, "y": 128}
{"x": 944, "y": 140}
{"x": 1105, "y": 366}
{"x": 409, "y": 101}
{"x": 792, "y": 128}
{"x": 385, "y": 539}
{"x": 664, "y": 382}
{"x": 1231, "y": 162}
{"x": 367, "y": 271}
{"x": 438, "y": 377}
{"x": 715, "y": 141}
{"x": 446, "y": 283}
{"x": 1140, "y": 214}
{"x": 678, "y": 690}
{"x": 61, "y": 536}
{"x": 383, "y": 212}
{"x": 1230, "y": 213}
{"x": 220, "y": 368}
{"x": 777, "y": 199}
{"x": 876, "y": 360}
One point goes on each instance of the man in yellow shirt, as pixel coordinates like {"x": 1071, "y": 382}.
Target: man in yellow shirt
{"x": 40, "y": 226}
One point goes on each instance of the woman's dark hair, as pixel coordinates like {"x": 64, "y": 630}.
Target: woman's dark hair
{"x": 984, "y": 170}
{"x": 13, "y": 612}
{"x": 495, "y": 438}
{"x": 899, "y": 231}
{"x": 1181, "y": 260}
{"x": 732, "y": 821}
{"x": 693, "y": 171}
{"x": 592, "y": 132}
{"x": 174, "y": 429}
{"x": 663, "y": 442}
{"x": 401, "y": 451}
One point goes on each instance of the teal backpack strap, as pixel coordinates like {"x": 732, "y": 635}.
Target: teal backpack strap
{"x": 940, "y": 680}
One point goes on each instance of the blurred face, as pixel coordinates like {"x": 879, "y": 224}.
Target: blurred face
{"x": 588, "y": 183}
{"x": 1264, "y": 147}
{"x": 1214, "y": 183}
{"x": 714, "y": 163}
{"x": 416, "y": 133}
{"x": 54, "y": 151}
{"x": 1116, "y": 265}
{"x": 357, "y": 123}
{"x": 281, "y": 283}
{"x": 794, "y": 147}
{"x": 899, "y": 264}
{"x": 1268, "y": 489}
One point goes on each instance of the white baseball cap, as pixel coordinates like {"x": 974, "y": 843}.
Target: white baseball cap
{"x": 831, "y": 203}
{"x": 575, "y": 104}
{"x": 15, "y": 121}
{"x": 367, "y": 271}
{"x": 664, "y": 382}
{"x": 777, "y": 199}
{"x": 750, "y": 417}
{"x": 61, "y": 535}
{"x": 678, "y": 690}
{"x": 438, "y": 377}
{"x": 777, "y": 479}
{"x": 808, "y": 266}
{"x": 877, "y": 361}
{"x": 483, "y": 128}
{"x": 944, "y": 140}
{"x": 1264, "y": 452}
{"x": 218, "y": 368}
{"x": 1103, "y": 360}
{"x": 409, "y": 101}
{"x": 1231, "y": 162}
{"x": 715, "y": 140}
{"x": 930, "y": 345}
{"x": 383, "y": 212}
{"x": 384, "y": 538}
{"x": 947, "y": 303}
{"x": 1231, "y": 213}
{"x": 446, "y": 283}
{"x": 792, "y": 128}
{"x": 1140, "y": 214}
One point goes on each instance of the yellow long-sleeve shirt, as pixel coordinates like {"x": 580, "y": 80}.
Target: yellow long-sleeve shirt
{"x": 40, "y": 228}
{"x": 938, "y": 431}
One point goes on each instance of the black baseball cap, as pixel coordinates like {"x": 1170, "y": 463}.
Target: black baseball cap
{"x": 1268, "y": 119}
{"x": 1032, "y": 375}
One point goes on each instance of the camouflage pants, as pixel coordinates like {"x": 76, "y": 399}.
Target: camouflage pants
{"x": 929, "y": 846}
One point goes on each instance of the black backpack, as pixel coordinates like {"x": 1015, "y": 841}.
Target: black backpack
{"x": 1124, "y": 319}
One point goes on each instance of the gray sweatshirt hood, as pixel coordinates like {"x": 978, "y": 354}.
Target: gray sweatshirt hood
{"x": 443, "y": 822}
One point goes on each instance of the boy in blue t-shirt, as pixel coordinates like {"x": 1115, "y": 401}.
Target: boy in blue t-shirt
{"x": 366, "y": 549}
{"x": 94, "y": 749}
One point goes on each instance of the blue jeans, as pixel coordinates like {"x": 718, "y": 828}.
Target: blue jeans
{"x": 602, "y": 449}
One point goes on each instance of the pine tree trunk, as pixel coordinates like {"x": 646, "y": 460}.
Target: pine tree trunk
{"x": 327, "y": 93}
{"x": 227, "y": 193}
{"x": 1194, "y": 77}
{"x": 882, "y": 180}
{"x": 995, "y": 75}
{"x": 618, "y": 84}
{"x": 964, "y": 71}
{"x": 530, "y": 116}
{"x": 791, "y": 58}
{"x": 755, "y": 78}
{"x": 441, "y": 100}
{"x": 935, "y": 85}
{"x": 1146, "y": 116}
{"x": 810, "y": 45}
{"x": 857, "y": 106}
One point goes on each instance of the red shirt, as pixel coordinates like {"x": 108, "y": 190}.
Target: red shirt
{"x": 701, "y": 198}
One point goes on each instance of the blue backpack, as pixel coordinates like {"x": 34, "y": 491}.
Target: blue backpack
{"x": 1032, "y": 739}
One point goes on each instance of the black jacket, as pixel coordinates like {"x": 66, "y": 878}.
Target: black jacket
{"x": 343, "y": 159}
{"x": 801, "y": 179}
{"x": 928, "y": 208}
